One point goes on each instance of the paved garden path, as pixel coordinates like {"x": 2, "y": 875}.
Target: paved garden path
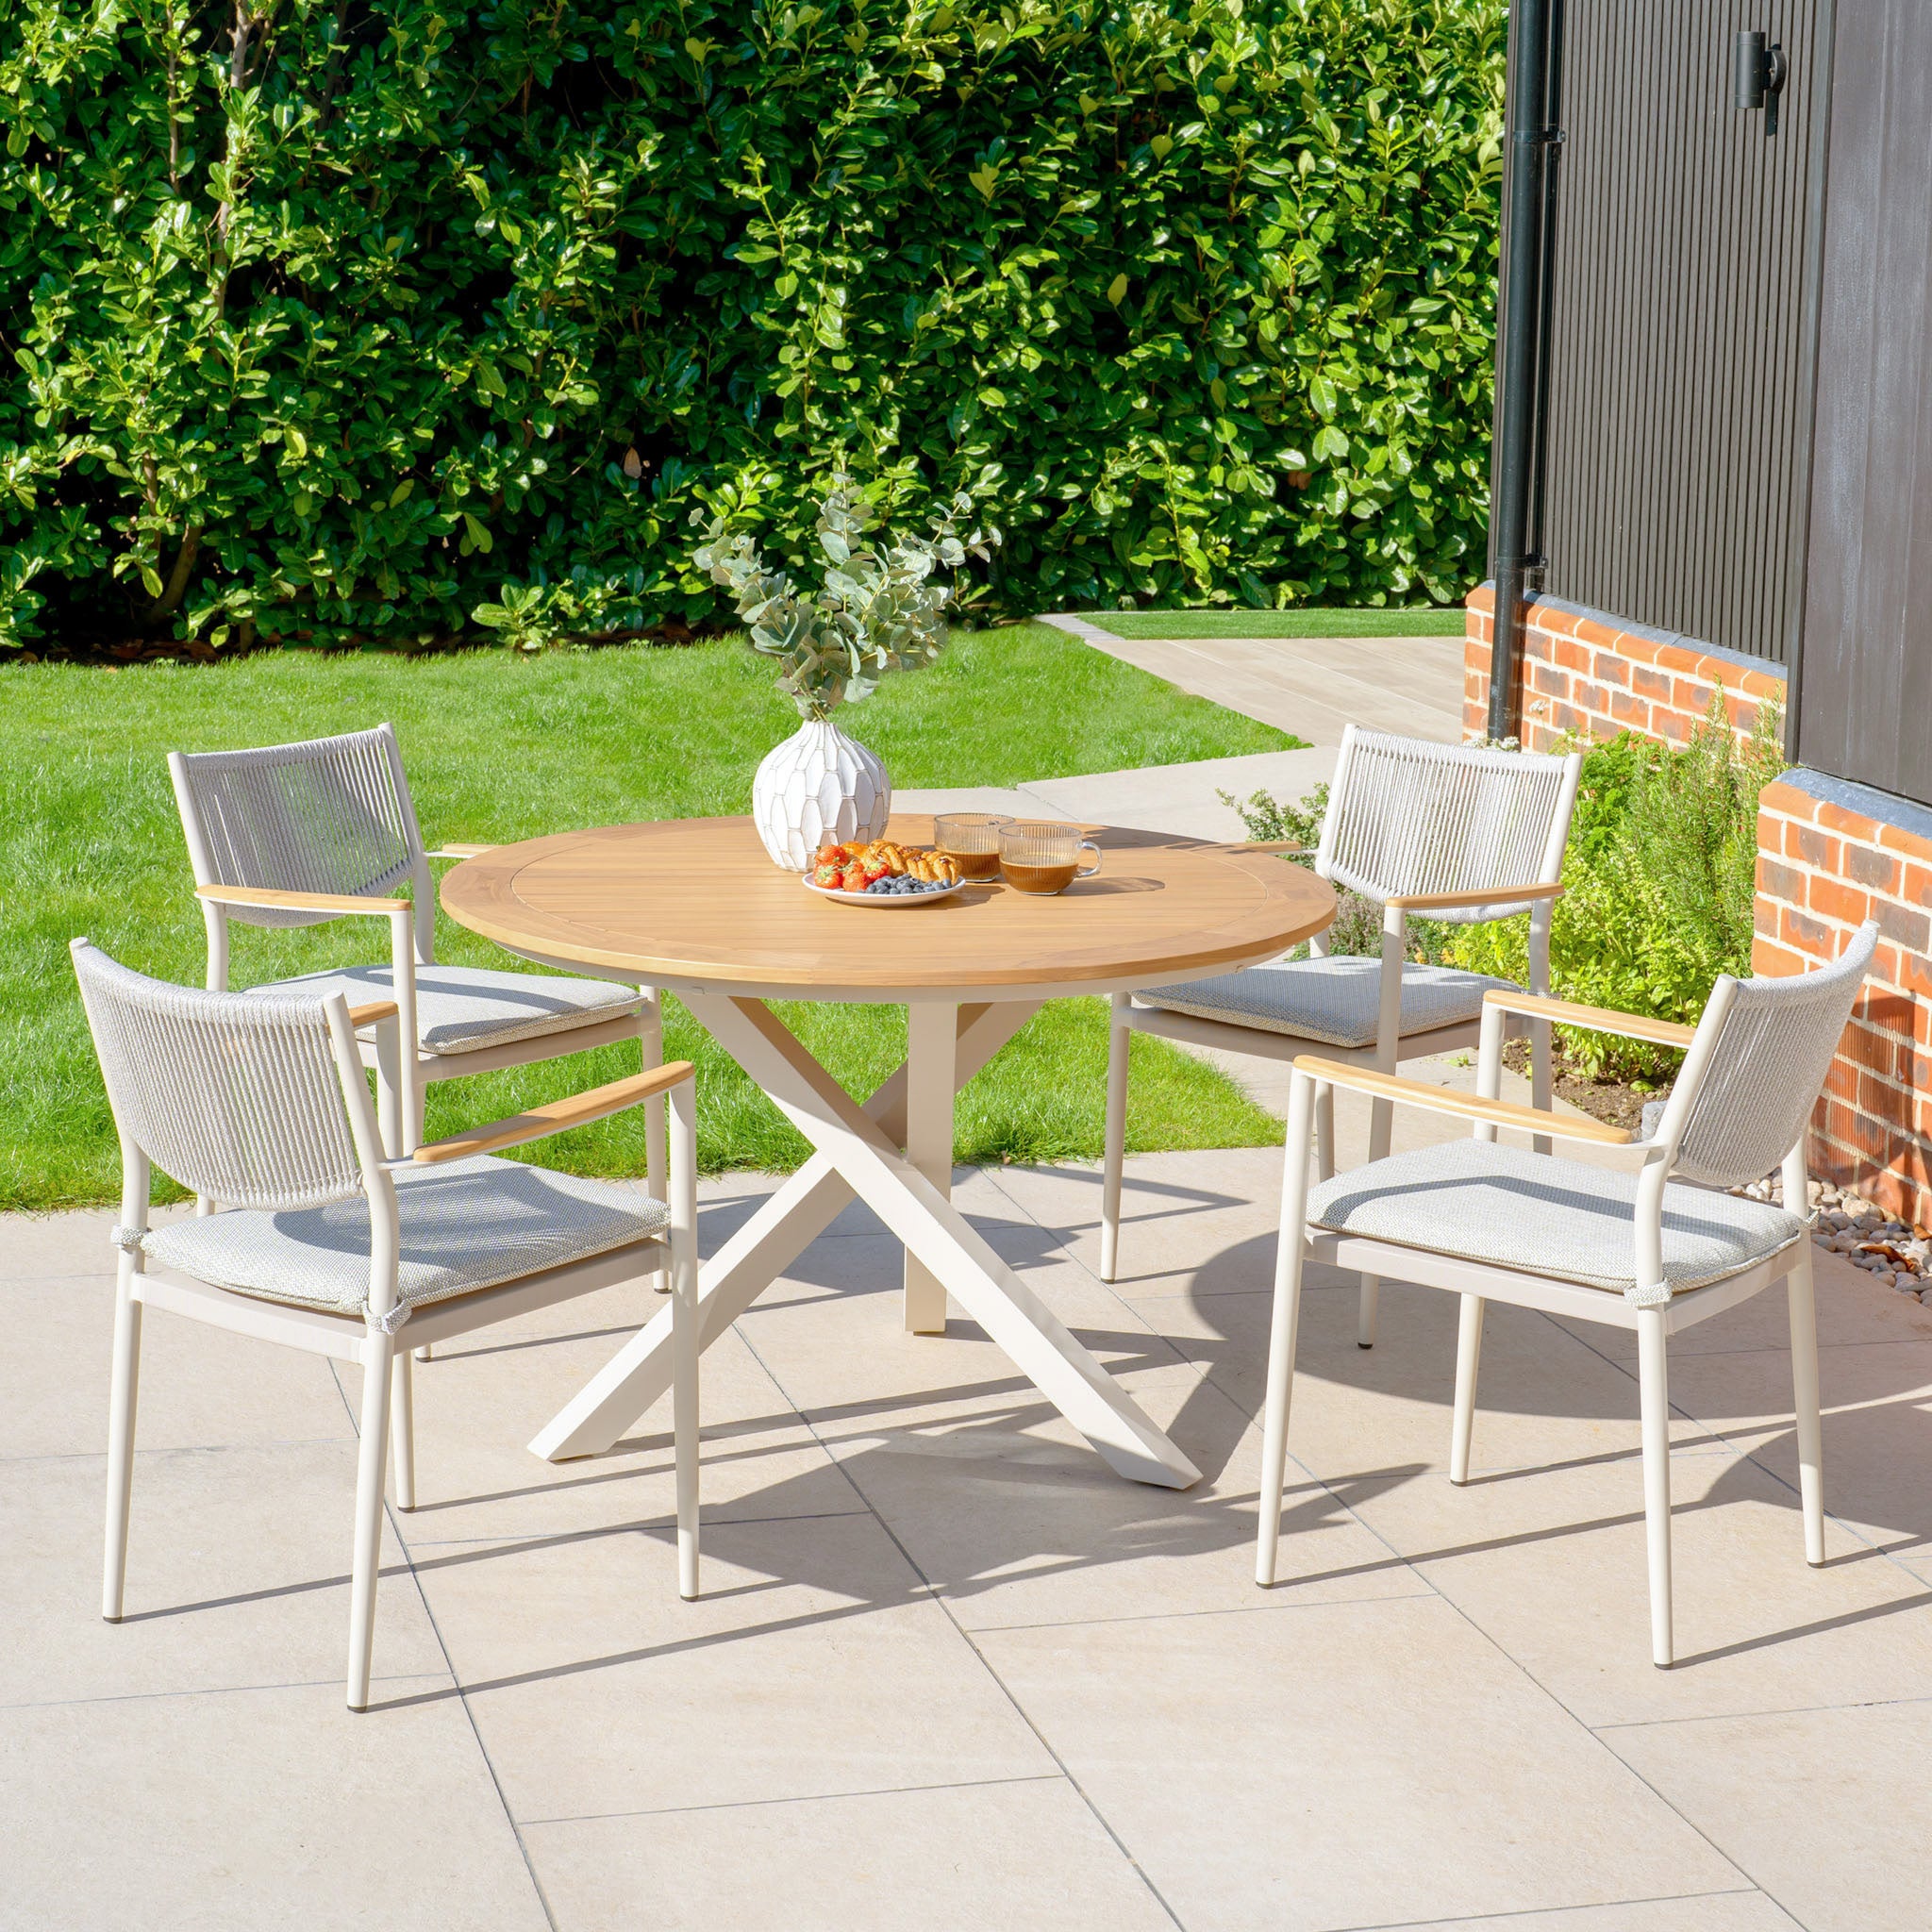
{"x": 1310, "y": 686}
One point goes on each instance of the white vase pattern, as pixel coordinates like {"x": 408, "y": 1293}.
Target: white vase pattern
{"x": 818, "y": 788}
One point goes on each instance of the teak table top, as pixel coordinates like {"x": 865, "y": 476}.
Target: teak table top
{"x": 697, "y": 902}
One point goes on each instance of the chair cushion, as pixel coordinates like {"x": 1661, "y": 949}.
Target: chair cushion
{"x": 1336, "y": 1001}
{"x": 466, "y": 1224}
{"x": 459, "y": 1008}
{"x": 1544, "y": 1215}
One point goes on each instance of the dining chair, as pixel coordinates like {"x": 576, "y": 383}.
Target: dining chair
{"x": 1656, "y": 1244}
{"x": 297, "y": 835}
{"x": 1455, "y": 833}
{"x": 326, "y": 1243}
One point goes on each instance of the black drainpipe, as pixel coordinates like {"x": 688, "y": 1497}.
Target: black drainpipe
{"x": 1523, "y": 326}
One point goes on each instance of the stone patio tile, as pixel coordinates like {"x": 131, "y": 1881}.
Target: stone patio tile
{"x": 484, "y": 1397}
{"x": 1015, "y": 1521}
{"x": 1715, "y": 1911}
{"x": 1372, "y": 1416}
{"x": 243, "y": 1810}
{"x": 1551, "y": 1565}
{"x": 1349, "y": 1765}
{"x": 238, "y": 1576}
{"x": 200, "y": 1387}
{"x": 1830, "y": 1811}
{"x": 1188, "y": 1219}
{"x": 1877, "y": 1400}
{"x": 74, "y": 1243}
{"x": 815, "y": 1664}
{"x": 1024, "y": 1856}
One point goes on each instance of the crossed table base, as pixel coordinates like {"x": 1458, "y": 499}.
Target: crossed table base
{"x": 895, "y": 1152}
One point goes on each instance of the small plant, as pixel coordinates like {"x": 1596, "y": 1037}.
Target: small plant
{"x": 1659, "y": 879}
{"x": 877, "y": 610}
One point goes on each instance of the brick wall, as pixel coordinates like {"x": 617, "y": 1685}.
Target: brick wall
{"x": 1829, "y": 858}
{"x": 1830, "y": 855}
{"x": 1588, "y": 676}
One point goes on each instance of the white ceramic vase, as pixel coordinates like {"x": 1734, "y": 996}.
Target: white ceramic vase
{"x": 818, "y": 788}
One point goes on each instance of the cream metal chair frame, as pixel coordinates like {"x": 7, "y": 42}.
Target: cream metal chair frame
{"x": 412, "y": 942}
{"x": 371, "y": 1337}
{"x": 1716, "y": 1079}
{"x": 1401, "y": 898}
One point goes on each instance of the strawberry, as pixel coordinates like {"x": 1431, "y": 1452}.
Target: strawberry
{"x": 854, "y": 879}
{"x": 826, "y": 873}
{"x": 829, "y": 855}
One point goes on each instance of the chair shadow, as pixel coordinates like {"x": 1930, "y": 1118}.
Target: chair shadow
{"x": 1027, "y": 1504}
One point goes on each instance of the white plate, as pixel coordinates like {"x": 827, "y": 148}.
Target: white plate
{"x": 895, "y": 899}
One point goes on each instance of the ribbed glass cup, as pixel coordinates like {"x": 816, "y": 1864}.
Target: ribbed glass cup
{"x": 1044, "y": 855}
{"x": 972, "y": 840}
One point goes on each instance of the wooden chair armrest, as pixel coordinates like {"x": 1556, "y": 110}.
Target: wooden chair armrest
{"x": 1469, "y": 1106}
{"x": 375, "y": 1010}
{"x": 554, "y": 1116}
{"x": 300, "y": 902}
{"x": 1538, "y": 1005}
{"x": 1488, "y": 895}
{"x": 458, "y": 851}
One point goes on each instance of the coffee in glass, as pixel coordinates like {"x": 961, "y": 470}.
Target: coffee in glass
{"x": 1042, "y": 856}
{"x": 972, "y": 840}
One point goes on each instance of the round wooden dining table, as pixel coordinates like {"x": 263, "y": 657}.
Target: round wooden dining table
{"x": 697, "y": 908}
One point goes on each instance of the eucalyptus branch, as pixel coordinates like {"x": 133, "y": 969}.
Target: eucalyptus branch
{"x": 878, "y": 609}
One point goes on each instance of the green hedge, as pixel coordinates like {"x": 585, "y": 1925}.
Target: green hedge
{"x": 335, "y": 321}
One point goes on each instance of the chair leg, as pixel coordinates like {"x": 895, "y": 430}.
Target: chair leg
{"x": 1804, "y": 1405}
{"x": 1381, "y": 1124}
{"x": 1114, "y": 1151}
{"x": 685, "y": 1338}
{"x": 402, "y": 1429}
{"x": 120, "y": 1409}
{"x": 370, "y": 1467}
{"x": 1290, "y": 1249}
{"x": 1655, "y": 1396}
{"x": 1325, "y": 1133}
{"x": 1468, "y": 1352}
{"x": 651, "y": 1054}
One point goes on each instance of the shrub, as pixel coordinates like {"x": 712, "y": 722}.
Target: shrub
{"x": 1659, "y": 881}
{"x": 350, "y": 321}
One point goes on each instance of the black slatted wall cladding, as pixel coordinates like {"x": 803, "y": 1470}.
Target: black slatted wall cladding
{"x": 1867, "y": 671}
{"x": 1680, "y": 379}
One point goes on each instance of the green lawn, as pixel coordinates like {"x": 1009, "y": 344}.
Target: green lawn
{"x": 1428, "y": 622}
{"x": 498, "y": 748}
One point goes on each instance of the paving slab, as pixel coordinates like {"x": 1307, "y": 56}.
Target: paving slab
{"x": 1026, "y": 1854}
{"x": 1828, "y": 1810}
{"x": 1346, "y": 1765}
{"x": 241, "y": 1810}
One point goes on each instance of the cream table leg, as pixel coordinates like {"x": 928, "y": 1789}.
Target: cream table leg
{"x": 1030, "y": 1335}
{"x": 752, "y": 1259}
{"x": 931, "y": 1085}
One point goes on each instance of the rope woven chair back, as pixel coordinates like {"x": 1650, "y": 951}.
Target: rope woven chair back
{"x": 330, "y": 815}
{"x": 234, "y": 1096}
{"x": 1767, "y": 1068}
{"x": 1409, "y": 816}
